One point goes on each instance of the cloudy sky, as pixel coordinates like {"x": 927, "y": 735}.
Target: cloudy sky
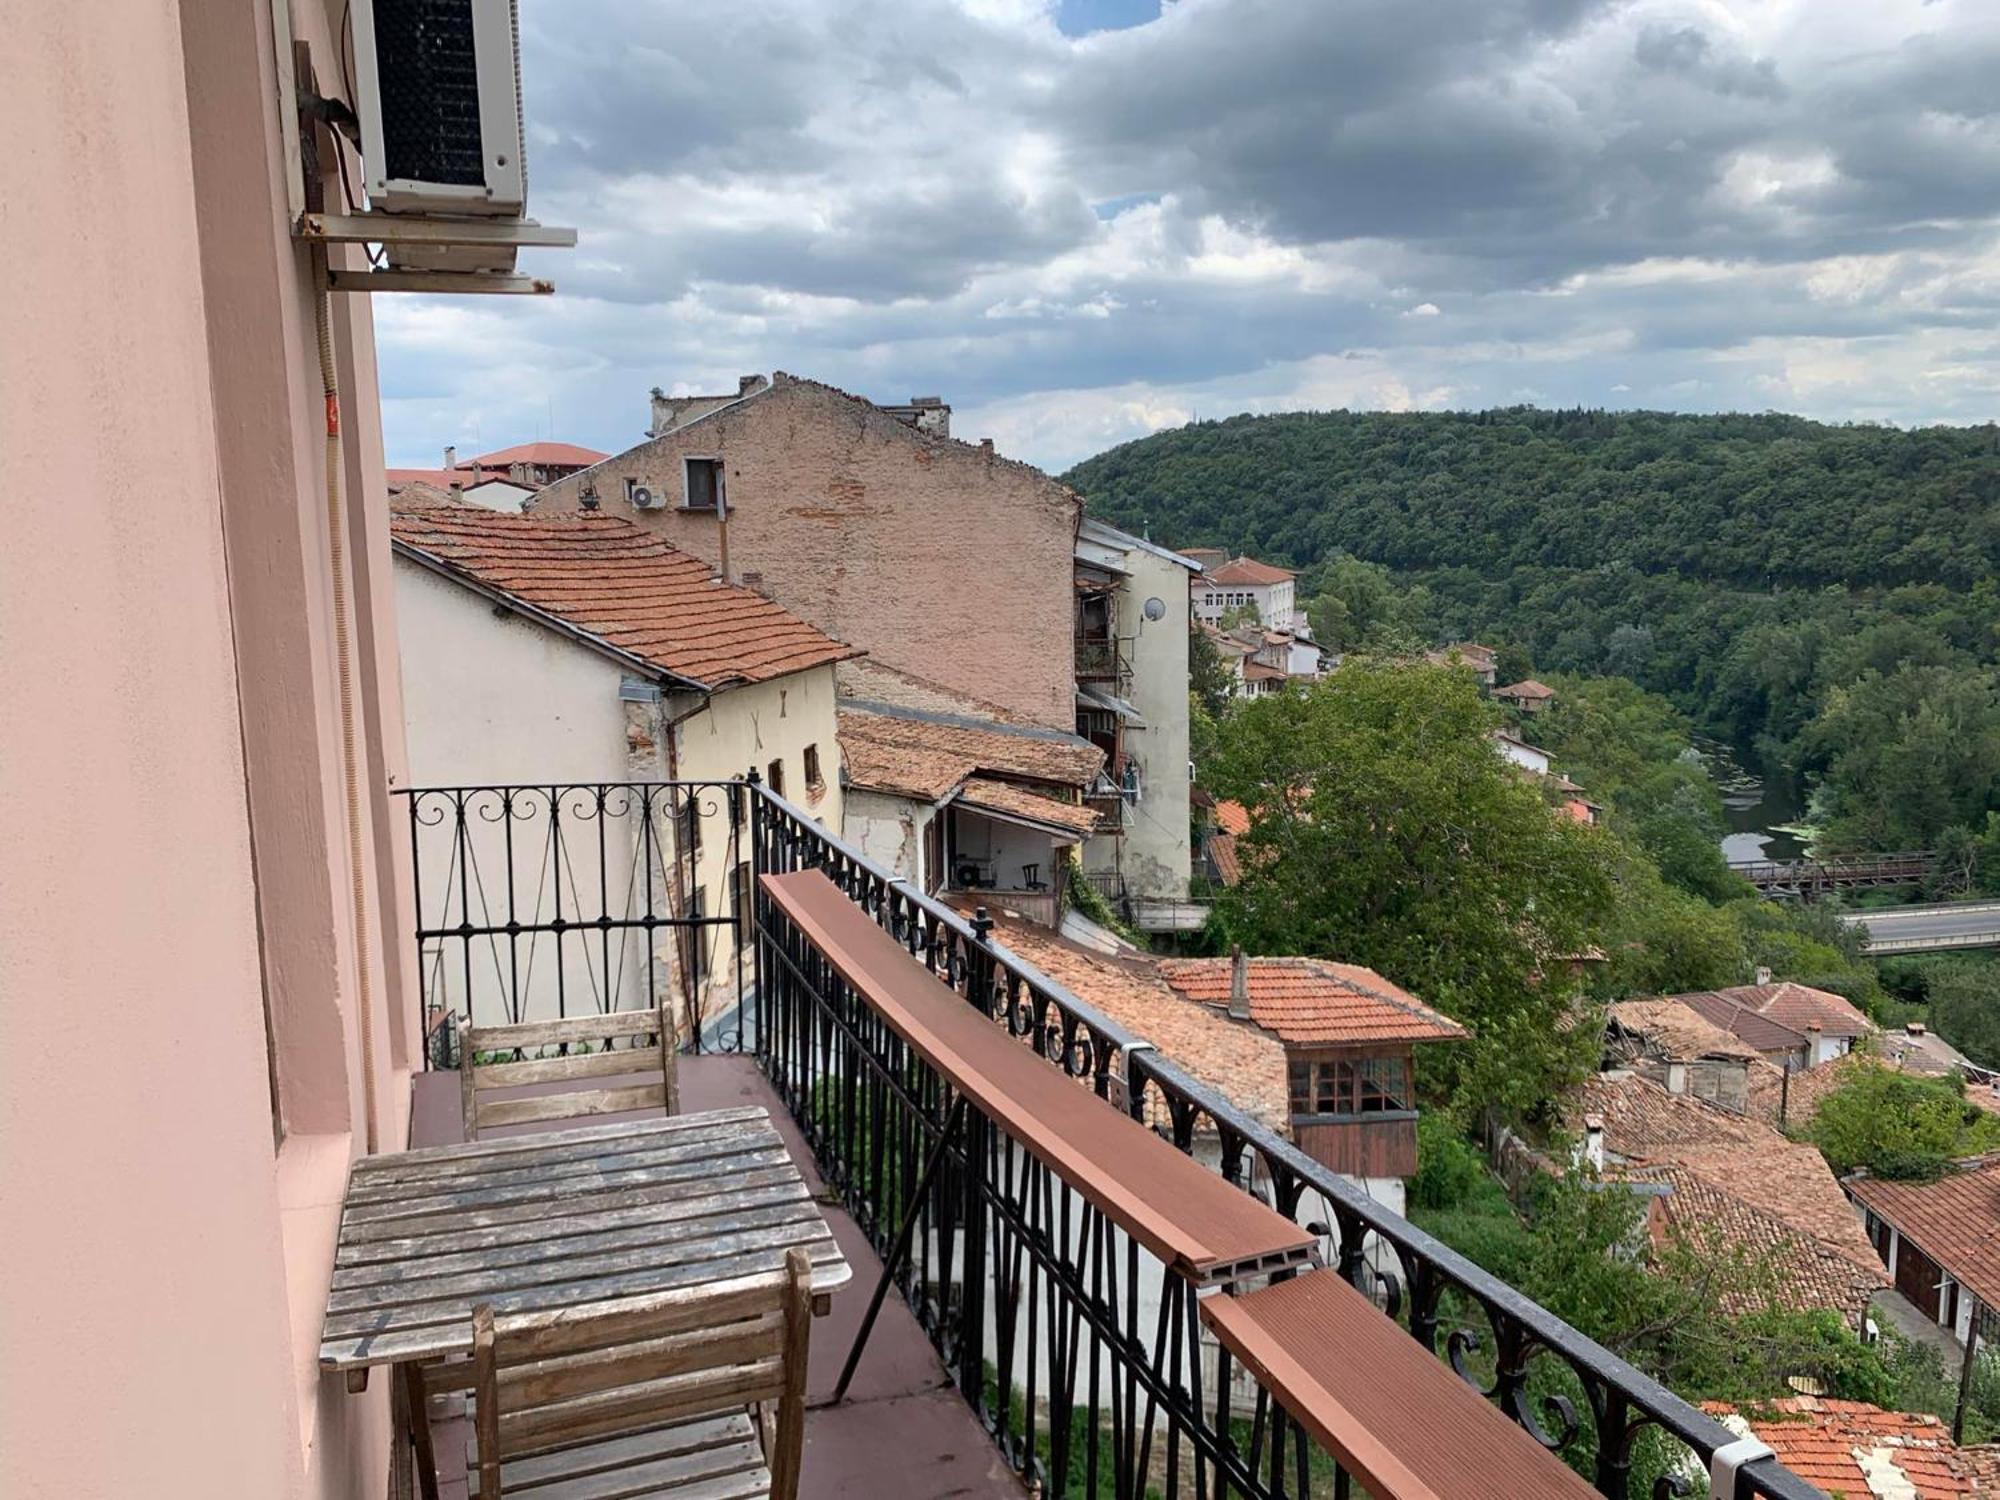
{"x": 1081, "y": 221}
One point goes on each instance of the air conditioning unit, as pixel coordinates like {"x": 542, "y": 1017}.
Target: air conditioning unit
{"x": 644, "y": 499}
{"x": 438, "y": 85}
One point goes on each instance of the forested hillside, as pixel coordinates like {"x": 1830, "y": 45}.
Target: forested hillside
{"x": 1825, "y": 598}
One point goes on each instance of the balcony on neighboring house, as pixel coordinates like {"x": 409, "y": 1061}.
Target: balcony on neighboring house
{"x": 1112, "y": 1280}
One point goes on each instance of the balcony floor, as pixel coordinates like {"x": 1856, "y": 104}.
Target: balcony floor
{"x": 902, "y": 1433}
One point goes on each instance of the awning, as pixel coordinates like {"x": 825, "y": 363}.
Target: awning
{"x": 1089, "y": 696}
{"x": 1065, "y": 822}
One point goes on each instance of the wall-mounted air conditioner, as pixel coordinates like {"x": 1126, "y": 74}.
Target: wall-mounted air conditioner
{"x": 438, "y": 85}
{"x": 643, "y": 498}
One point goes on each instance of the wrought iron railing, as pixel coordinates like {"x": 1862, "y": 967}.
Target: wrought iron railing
{"x": 1083, "y": 1360}
{"x": 1102, "y": 658}
{"x": 567, "y": 899}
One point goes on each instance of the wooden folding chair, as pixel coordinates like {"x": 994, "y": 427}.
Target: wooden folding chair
{"x": 478, "y": 1081}
{"x": 646, "y": 1396}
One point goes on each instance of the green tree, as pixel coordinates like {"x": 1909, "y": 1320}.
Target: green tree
{"x": 1386, "y": 832}
{"x": 1964, "y": 996}
{"x": 1208, "y": 679}
{"x": 1899, "y": 1124}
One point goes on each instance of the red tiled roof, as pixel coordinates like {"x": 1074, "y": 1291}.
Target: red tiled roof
{"x": 1242, "y": 1063}
{"x": 1257, "y": 671}
{"x": 1713, "y": 1204}
{"x": 1852, "y": 1449}
{"x": 915, "y": 754}
{"x": 1232, "y": 817}
{"x": 1955, "y": 1220}
{"x": 1753, "y": 1027}
{"x": 1526, "y": 688}
{"x": 1313, "y": 1000}
{"x": 1680, "y": 1033}
{"x": 999, "y": 796}
{"x": 1247, "y": 572}
{"x": 1799, "y": 1006}
{"x": 622, "y": 584}
{"x": 543, "y": 454}
{"x": 438, "y": 479}
{"x": 1643, "y": 1122}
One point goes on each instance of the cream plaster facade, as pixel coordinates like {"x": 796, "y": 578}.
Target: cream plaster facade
{"x": 208, "y": 1000}
{"x": 494, "y": 699}
{"x": 936, "y": 557}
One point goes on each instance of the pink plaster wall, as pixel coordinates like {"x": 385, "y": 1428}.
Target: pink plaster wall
{"x": 176, "y": 851}
{"x": 936, "y": 557}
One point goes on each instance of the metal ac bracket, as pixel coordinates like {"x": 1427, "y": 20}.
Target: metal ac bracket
{"x": 406, "y": 229}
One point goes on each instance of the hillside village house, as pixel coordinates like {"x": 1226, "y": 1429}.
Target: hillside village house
{"x": 500, "y": 480}
{"x": 938, "y": 558}
{"x": 1792, "y": 1026}
{"x": 1939, "y": 1243}
{"x": 1244, "y": 581}
{"x": 1481, "y": 661}
{"x": 960, "y": 804}
{"x": 1132, "y": 620}
{"x": 584, "y": 650}
{"x": 1530, "y": 696}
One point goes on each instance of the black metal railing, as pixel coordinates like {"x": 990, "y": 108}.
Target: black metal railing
{"x": 566, "y": 899}
{"x": 1083, "y": 1358}
{"x": 1102, "y": 658}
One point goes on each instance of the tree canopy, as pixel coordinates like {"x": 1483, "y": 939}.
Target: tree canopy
{"x": 1825, "y": 598}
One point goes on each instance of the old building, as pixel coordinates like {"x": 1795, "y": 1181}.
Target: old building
{"x": 1349, "y": 1038}
{"x": 937, "y": 557}
{"x": 1858, "y": 1451}
{"x": 1481, "y": 661}
{"x": 582, "y": 650}
{"x": 1731, "y": 1187}
{"x": 1939, "y": 1242}
{"x": 1245, "y": 583}
{"x": 1676, "y": 1048}
{"x": 1791, "y": 1025}
{"x": 1132, "y": 621}
{"x": 957, "y": 803}
{"x": 1529, "y": 696}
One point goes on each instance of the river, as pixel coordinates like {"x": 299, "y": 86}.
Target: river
{"x": 1763, "y": 815}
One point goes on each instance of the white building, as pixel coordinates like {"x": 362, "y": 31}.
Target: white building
{"x": 519, "y": 671}
{"x": 1245, "y": 581}
{"x": 1133, "y": 607}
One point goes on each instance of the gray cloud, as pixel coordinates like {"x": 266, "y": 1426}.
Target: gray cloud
{"x": 1702, "y": 203}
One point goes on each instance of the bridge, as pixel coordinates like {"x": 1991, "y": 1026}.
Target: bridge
{"x": 1847, "y": 872}
{"x": 1929, "y": 929}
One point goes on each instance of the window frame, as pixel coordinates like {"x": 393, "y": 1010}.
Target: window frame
{"x": 716, "y": 500}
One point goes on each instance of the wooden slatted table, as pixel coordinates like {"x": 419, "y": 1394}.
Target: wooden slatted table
{"x": 532, "y": 1222}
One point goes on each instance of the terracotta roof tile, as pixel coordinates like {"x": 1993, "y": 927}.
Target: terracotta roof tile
{"x": 1242, "y": 1063}
{"x": 1001, "y": 797}
{"x": 1526, "y": 688}
{"x": 536, "y": 453}
{"x": 1753, "y": 1027}
{"x": 1852, "y": 1449}
{"x": 926, "y": 755}
{"x": 1955, "y": 1220}
{"x": 1308, "y": 1000}
{"x": 1232, "y": 817}
{"x": 1679, "y": 1033}
{"x": 1247, "y": 572}
{"x": 1739, "y": 1183}
{"x": 623, "y": 585}
{"x": 1799, "y": 1006}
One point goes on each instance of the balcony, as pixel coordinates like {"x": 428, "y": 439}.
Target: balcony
{"x": 1103, "y": 658}
{"x": 1082, "y": 1359}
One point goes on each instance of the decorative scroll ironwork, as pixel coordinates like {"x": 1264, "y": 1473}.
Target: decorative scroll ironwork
{"x": 568, "y": 899}
{"x": 1086, "y": 1363}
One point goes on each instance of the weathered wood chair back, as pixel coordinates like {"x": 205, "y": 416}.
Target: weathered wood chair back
{"x": 566, "y": 1391}
{"x": 479, "y": 1081}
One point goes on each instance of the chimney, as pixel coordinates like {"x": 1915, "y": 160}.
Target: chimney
{"x": 1239, "y": 984}
{"x": 986, "y": 446}
{"x": 1593, "y": 1141}
{"x": 450, "y": 457}
{"x": 748, "y": 385}
{"x": 1914, "y": 1028}
{"x": 588, "y": 498}
{"x": 1763, "y": 975}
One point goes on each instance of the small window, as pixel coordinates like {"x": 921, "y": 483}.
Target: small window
{"x": 774, "y": 777}
{"x": 704, "y": 483}
{"x": 1300, "y": 1077}
{"x": 814, "y": 782}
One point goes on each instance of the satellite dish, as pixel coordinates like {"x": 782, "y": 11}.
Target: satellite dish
{"x": 1155, "y": 609}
